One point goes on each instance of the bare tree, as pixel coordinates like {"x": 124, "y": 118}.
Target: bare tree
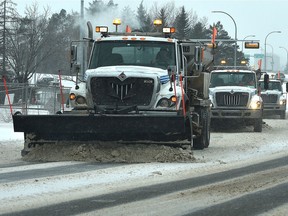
{"x": 8, "y": 16}
{"x": 26, "y": 41}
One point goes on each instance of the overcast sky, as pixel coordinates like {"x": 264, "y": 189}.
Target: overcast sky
{"x": 252, "y": 17}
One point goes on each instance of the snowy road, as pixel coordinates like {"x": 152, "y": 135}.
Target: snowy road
{"x": 219, "y": 181}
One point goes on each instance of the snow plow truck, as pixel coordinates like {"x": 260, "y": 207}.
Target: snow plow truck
{"x": 137, "y": 86}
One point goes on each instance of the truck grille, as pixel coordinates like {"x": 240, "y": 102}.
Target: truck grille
{"x": 232, "y": 100}
{"x": 130, "y": 92}
{"x": 269, "y": 98}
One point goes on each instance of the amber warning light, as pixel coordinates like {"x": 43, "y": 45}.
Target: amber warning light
{"x": 101, "y": 29}
{"x": 252, "y": 45}
{"x": 169, "y": 30}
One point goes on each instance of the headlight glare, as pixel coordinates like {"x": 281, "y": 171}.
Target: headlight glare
{"x": 255, "y": 104}
{"x": 283, "y": 102}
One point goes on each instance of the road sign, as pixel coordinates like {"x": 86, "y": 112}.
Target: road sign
{"x": 258, "y": 55}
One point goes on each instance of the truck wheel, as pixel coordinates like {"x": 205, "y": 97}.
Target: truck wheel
{"x": 203, "y": 140}
{"x": 258, "y": 125}
{"x": 283, "y": 114}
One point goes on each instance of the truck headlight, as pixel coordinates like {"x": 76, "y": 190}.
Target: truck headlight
{"x": 80, "y": 100}
{"x": 167, "y": 102}
{"x": 283, "y": 102}
{"x": 255, "y": 104}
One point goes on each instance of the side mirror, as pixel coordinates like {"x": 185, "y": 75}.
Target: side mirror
{"x": 73, "y": 53}
{"x": 266, "y": 81}
{"x": 198, "y": 67}
{"x": 258, "y": 74}
{"x": 286, "y": 86}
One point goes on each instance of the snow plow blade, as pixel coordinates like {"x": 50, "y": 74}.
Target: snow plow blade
{"x": 67, "y": 127}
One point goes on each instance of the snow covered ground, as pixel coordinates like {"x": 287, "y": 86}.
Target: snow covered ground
{"x": 8, "y": 134}
{"x": 11, "y": 144}
{"x": 228, "y": 149}
{"x": 241, "y": 144}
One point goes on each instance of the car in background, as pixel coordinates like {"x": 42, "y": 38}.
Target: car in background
{"x": 280, "y": 76}
{"x": 274, "y": 100}
{"x": 286, "y": 78}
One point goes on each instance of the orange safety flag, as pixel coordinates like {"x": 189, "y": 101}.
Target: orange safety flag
{"x": 214, "y": 33}
{"x": 260, "y": 63}
{"x": 7, "y": 94}
{"x": 128, "y": 29}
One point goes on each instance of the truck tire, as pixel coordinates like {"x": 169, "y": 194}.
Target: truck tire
{"x": 283, "y": 114}
{"x": 203, "y": 140}
{"x": 258, "y": 125}
{"x": 189, "y": 131}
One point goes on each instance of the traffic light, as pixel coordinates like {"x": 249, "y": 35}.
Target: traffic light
{"x": 252, "y": 45}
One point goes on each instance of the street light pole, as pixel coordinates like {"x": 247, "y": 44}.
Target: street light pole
{"x": 265, "y": 46}
{"x": 272, "y": 57}
{"x": 286, "y": 55}
{"x": 235, "y": 48}
{"x": 245, "y": 38}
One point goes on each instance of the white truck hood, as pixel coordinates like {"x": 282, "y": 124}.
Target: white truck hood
{"x": 129, "y": 71}
{"x": 232, "y": 89}
{"x": 270, "y": 92}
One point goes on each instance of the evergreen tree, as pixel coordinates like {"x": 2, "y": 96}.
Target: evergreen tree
{"x": 61, "y": 31}
{"x": 98, "y": 6}
{"x": 111, "y": 4}
{"x": 144, "y": 19}
{"x": 95, "y": 7}
{"x": 163, "y": 15}
{"x": 129, "y": 18}
{"x": 182, "y": 24}
{"x": 225, "y": 49}
{"x": 198, "y": 31}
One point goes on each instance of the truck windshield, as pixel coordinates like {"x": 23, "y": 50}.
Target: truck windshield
{"x": 271, "y": 86}
{"x": 139, "y": 53}
{"x": 233, "y": 79}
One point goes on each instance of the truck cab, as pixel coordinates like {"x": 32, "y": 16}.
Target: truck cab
{"x": 273, "y": 98}
{"x": 234, "y": 95}
{"x": 125, "y": 72}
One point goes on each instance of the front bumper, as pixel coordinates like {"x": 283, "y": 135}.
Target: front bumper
{"x": 270, "y": 109}
{"x": 236, "y": 113}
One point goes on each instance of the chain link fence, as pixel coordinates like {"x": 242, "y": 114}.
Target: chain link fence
{"x": 32, "y": 99}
